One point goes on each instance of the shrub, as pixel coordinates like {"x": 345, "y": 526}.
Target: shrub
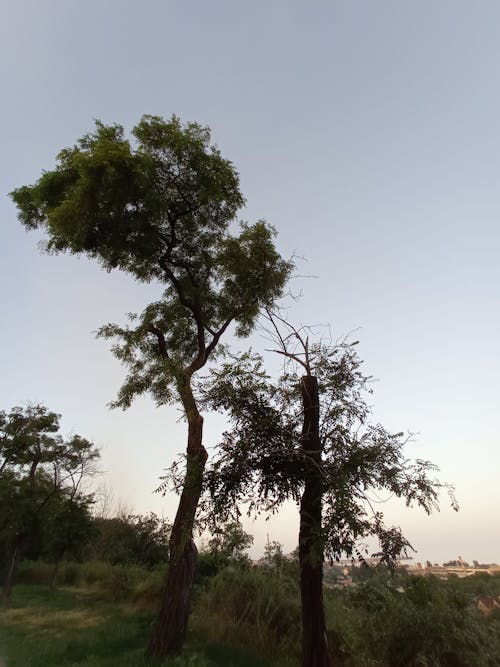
{"x": 35, "y": 572}
{"x": 251, "y": 607}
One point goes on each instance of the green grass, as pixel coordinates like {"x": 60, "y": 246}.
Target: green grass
{"x": 101, "y": 616}
{"x": 78, "y": 628}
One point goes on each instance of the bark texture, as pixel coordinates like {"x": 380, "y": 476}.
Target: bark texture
{"x": 315, "y": 651}
{"x": 170, "y": 630}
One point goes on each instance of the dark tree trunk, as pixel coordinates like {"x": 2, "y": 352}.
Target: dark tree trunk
{"x": 314, "y": 640}
{"x": 170, "y": 630}
{"x": 11, "y": 572}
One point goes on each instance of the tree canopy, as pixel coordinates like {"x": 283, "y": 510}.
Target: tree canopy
{"x": 41, "y": 485}
{"x": 261, "y": 463}
{"x": 160, "y": 208}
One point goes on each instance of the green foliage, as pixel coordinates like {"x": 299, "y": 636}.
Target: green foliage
{"x": 131, "y": 539}
{"x": 226, "y": 548}
{"x": 81, "y": 628}
{"x": 428, "y": 623}
{"x": 371, "y": 625}
{"x": 481, "y": 583}
{"x": 261, "y": 462}
{"x": 230, "y": 542}
{"x": 274, "y": 557}
{"x": 114, "y": 582}
{"x": 244, "y": 614}
{"x": 251, "y": 607}
{"x": 43, "y": 510}
{"x": 160, "y": 210}
{"x": 115, "y": 203}
{"x": 66, "y": 529}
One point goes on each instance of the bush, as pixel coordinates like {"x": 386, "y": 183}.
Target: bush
{"x": 428, "y": 623}
{"x": 35, "y": 572}
{"x": 251, "y": 607}
{"x": 114, "y": 581}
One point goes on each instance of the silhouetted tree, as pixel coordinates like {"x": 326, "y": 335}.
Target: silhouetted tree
{"x": 41, "y": 476}
{"x": 307, "y": 438}
{"x": 161, "y": 211}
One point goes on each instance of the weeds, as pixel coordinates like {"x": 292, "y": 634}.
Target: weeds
{"x": 242, "y": 617}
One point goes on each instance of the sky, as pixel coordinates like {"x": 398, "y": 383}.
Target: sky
{"x": 367, "y": 133}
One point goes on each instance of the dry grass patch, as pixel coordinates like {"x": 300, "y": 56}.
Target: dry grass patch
{"x": 34, "y": 619}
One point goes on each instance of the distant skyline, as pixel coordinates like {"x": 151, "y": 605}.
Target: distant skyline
{"x": 366, "y": 133}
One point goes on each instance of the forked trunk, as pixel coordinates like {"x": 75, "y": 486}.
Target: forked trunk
{"x": 170, "y": 630}
{"x": 314, "y": 640}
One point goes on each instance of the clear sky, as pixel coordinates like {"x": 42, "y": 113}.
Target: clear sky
{"x": 366, "y": 132}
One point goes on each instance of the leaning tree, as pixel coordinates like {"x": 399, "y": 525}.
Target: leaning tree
{"x": 160, "y": 209}
{"x": 307, "y": 437}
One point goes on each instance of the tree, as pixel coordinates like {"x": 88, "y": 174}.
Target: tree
{"x": 230, "y": 542}
{"x": 273, "y": 555}
{"x": 131, "y": 538}
{"x": 40, "y": 472}
{"x": 161, "y": 211}
{"x": 308, "y": 438}
{"x": 66, "y": 529}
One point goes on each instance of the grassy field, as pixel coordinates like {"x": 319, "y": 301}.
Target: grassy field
{"x": 73, "y": 627}
{"x": 101, "y": 616}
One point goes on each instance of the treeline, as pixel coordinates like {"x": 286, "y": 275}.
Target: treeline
{"x": 46, "y": 502}
{"x": 131, "y": 539}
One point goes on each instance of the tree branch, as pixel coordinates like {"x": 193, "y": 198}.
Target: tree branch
{"x": 162, "y": 345}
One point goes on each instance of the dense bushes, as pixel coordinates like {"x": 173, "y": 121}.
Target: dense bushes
{"x": 252, "y": 606}
{"x": 130, "y": 539}
{"x": 425, "y": 622}
{"x": 408, "y": 622}
{"x": 115, "y": 582}
{"x": 428, "y": 622}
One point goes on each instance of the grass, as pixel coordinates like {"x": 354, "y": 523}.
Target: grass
{"x": 78, "y": 628}
{"x": 101, "y": 616}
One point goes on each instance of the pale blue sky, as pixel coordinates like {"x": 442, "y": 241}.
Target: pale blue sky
{"x": 366, "y": 132}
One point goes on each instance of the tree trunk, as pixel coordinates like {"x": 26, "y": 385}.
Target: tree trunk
{"x": 55, "y": 571}
{"x": 170, "y": 630}
{"x": 314, "y": 640}
{"x": 9, "y": 577}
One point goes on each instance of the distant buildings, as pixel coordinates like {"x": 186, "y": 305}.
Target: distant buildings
{"x": 458, "y": 567}
{"x": 341, "y": 573}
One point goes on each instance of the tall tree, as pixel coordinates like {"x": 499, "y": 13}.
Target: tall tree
{"x": 161, "y": 210}
{"x": 40, "y": 472}
{"x": 307, "y": 438}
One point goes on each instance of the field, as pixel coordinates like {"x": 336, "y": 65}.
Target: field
{"x": 73, "y": 627}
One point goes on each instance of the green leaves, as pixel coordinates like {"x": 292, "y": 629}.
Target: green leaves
{"x": 160, "y": 209}
{"x": 261, "y": 463}
{"x": 41, "y": 474}
{"x": 253, "y": 273}
{"x": 131, "y": 207}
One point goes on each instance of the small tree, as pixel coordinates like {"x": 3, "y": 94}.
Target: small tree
{"x": 40, "y": 472}
{"x": 161, "y": 211}
{"x": 308, "y": 439}
{"x": 230, "y": 542}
